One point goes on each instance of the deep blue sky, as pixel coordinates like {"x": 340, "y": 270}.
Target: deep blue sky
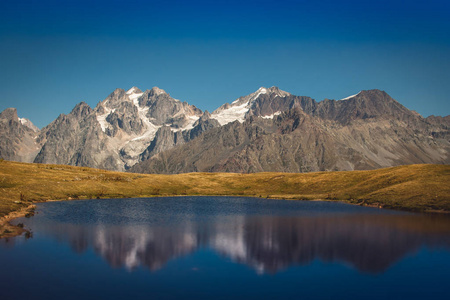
{"x": 55, "y": 54}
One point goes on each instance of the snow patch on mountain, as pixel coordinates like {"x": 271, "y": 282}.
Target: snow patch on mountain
{"x": 349, "y": 97}
{"x": 159, "y": 91}
{"x": 189, "y": 125}
{"x": 272, "y": 115}
{"x": 132, "y": 90}
{"x": 135, "y": 97}
{"x": 231, "y": 114}
{"x": 261, "y": 90}
{"x": 102, "y": 118}
{"x": 27, "y": 123}
{"x": 151, "y": 129}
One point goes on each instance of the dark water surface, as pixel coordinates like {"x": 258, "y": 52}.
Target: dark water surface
{"x": 225, "y": 248}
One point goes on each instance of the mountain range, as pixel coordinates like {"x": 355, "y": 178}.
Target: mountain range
{"x": 268, "y": 130}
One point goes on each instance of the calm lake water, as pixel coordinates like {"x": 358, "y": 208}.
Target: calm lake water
{"x": 225, "y": 248}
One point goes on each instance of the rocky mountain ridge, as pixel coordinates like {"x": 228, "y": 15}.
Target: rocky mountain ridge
{"x": 115, "y": 133}
{"x": 268, "y": 130}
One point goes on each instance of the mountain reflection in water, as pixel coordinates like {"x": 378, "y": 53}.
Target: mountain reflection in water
{"x": 368, "y": 242}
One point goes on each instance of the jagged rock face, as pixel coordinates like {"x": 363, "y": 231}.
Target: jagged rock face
{"x": 440, "y": 127}
{"x": 76, "y": 139}
{"x": 203, "y": 124}
{"x": 17, "y": 137}
{"x": 165, "y": 110}
{"x": 166, "y": 138}
{"x": 125, "y": 118}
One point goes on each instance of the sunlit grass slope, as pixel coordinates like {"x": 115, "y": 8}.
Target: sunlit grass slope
{"x": 413, "y": 187}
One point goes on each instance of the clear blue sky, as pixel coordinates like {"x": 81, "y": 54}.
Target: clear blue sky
{"x": 55, "y": 54}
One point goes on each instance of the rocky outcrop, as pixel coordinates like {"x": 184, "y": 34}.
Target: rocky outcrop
{"x": 17, "y": 137}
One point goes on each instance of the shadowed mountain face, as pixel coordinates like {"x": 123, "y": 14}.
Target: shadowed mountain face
{"x": 370, "y": 243}
{"x": 268, "y": 130}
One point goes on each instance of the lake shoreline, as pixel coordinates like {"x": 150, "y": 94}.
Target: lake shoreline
{"x": 14, "y": 230}
{"x": 7, "y": 230}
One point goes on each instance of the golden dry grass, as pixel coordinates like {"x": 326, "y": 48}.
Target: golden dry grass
{"x": 413, "y": 187}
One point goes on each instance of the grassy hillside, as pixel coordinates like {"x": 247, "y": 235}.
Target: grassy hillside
{"x": 413, "y": 187}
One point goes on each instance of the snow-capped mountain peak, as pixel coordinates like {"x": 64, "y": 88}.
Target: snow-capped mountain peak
{"x": 275, "y": 90}
{"x": 261, "y": 90}
{"x": 157, "y": 91}
{"x": 133, "y": 90}
{"x": 133, "y": 94}
{"x": 27, "y": 123}
{"x": 131, "y": 119}
{"x": 238, "y": 109}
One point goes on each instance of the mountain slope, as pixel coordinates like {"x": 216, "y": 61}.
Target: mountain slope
{"x": 369, "y": 131}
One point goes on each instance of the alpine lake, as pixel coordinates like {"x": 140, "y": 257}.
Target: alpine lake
{"x": 225, "y": 248}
